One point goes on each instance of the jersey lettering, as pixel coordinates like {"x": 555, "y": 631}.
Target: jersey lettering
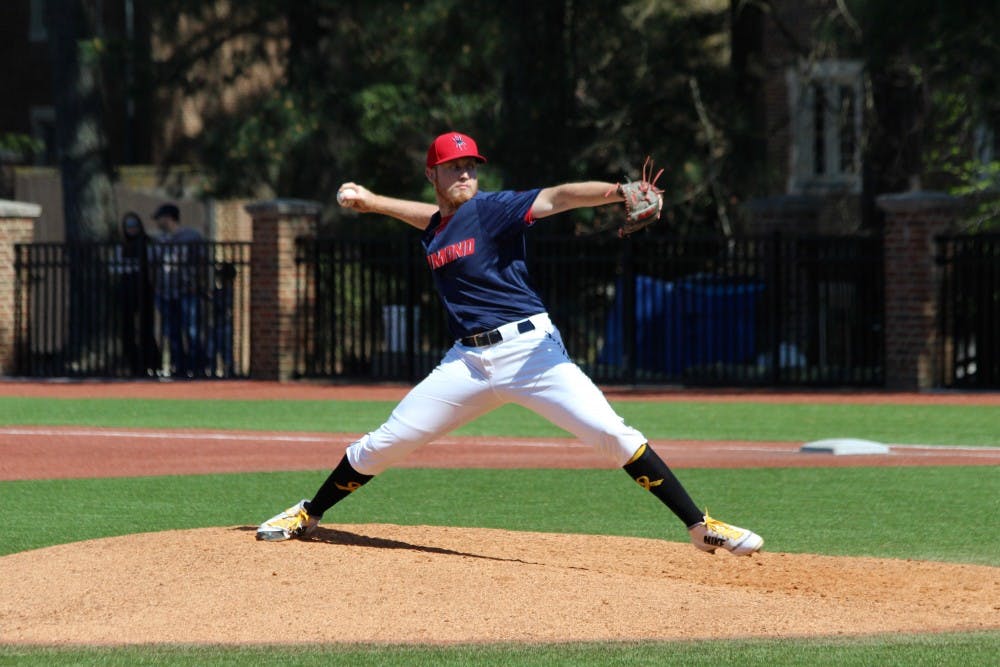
{"x": 452, "y": 252}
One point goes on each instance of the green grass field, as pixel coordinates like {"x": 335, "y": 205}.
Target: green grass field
{"x": 972, "y": 425}
{"x": 936, "y": 513}
{"x": 958, "y": 650}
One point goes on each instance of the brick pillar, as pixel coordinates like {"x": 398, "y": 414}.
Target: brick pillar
{"x": 912, "y": 285}
{"x": 17, "y": 225}
{"x": 232, "y": 222}
{"x": 276, "y": 225}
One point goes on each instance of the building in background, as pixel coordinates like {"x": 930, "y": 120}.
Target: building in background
{"x": 148, "y": 126}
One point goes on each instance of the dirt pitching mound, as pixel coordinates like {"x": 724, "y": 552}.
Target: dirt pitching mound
{"x": 391, "y": 584}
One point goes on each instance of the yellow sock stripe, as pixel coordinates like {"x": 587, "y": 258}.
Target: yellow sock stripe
{"x": 638, "y": 454}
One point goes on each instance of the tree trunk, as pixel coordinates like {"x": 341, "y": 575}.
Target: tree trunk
{"x": 88, "y": 198}
{"x": 748, "y": 120}
{"x": 536, "y": 102}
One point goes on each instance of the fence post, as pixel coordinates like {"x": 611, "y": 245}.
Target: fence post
{"x": 629, "y": 323}
{"x": 912, "y": 285}
{"x": 276, "y": 225}
{"x": 778, "y": 291}
{"x": 17, "y": 225}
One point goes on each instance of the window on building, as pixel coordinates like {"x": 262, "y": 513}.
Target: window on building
{"x": 985, "y": 143}
{"x": 36, "y": 21}
{"x": 43, "y": 128}
{"x": 825, "y": 107}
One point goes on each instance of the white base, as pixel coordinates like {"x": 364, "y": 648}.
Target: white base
{"x": 844, "y": 446}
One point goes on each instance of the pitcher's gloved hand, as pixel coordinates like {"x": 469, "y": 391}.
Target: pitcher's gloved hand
{"x": 643, "y": 201}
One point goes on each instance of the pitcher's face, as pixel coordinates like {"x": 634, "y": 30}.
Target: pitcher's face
{"x": 456, "y": 181}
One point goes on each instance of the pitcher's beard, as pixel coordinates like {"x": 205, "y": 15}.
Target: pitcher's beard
{"x": 454, "y": 200}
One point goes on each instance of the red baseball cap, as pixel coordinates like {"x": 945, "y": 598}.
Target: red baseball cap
{"x": 452, "y": 146}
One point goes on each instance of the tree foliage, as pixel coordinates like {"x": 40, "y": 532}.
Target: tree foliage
{"x": 565, "y": 90}
{"x": 934, "y": 73}
{"x": 84, "y": 165}
{"x": 553, "y": 91}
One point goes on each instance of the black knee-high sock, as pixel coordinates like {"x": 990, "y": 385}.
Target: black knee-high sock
{"x": 343, "y": 481}
{"x": 652, "y": 474}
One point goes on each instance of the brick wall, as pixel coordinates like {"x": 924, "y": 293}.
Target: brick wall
{"x": 140, "y": 191}
{"x": 232, "y": 221}
{"x": 276, "y": 225}
{"x": 912, "y": 285}
{"x": 17, "y": 225}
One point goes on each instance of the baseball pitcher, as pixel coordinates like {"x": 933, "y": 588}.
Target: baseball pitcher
{"x": 506, "y": 348}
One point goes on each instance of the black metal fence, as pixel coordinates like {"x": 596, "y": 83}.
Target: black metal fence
{"x": 970, "y": 310}
{"x": 751, "y": 311}
{"x": 104, "y": 310}
{"x": 366, "y": 308}
{"x": 769, "y": 310}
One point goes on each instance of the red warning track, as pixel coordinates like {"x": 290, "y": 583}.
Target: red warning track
{"x": 263, "y": 390}
{"x": 71, "y": 452}
{"x": 74, "y": 452}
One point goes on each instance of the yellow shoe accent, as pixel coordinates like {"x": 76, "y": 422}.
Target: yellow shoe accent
{"x": 711, "y": 534}
{"x": 722, "y": 528}
{"x": 293, "y": 522}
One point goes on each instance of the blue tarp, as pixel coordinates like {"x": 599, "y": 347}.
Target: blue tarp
{"x": 694, "y": 321}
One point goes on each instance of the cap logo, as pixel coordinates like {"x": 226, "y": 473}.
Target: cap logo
{"x": 459, "y": 142}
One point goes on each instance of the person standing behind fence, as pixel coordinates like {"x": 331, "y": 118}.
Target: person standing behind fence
{"x": 220, "y": 334}
{"x": 139, "y": 347}
{"x": 179, "y": 291}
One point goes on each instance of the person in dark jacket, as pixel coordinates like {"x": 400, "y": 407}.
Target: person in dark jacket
{"x": 139, "y": 347}
{"x": 181, "y": 286}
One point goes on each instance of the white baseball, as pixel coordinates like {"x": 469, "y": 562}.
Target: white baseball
{"x": 345, "y": 194}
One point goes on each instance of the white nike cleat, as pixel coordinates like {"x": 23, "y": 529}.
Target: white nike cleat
{"x": 293, "y": 522}
{"x": 712, "y": 534}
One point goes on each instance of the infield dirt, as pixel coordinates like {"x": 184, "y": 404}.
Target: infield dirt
{"x": 387, "y": 583}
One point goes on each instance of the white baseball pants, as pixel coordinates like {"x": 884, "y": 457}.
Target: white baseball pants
{"x": 531, "y": 369}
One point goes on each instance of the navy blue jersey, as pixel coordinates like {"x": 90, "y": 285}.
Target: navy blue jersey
{"x": 477, "y": 258}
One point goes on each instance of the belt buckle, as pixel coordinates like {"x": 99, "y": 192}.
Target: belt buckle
{"x": 494, "y": 336}
{"x": 481, "y": 339}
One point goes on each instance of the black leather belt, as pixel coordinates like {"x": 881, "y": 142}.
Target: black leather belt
{"x": 494, "y": 336}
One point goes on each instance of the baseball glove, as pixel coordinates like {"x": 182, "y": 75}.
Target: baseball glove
{"x": 643, "y": 201}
